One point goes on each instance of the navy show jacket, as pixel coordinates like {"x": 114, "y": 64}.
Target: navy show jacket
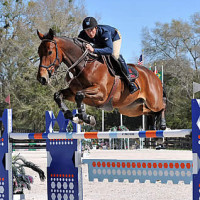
{"x": 103, "y": 40}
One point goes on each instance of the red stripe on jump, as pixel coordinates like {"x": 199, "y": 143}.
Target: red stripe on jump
{"x": 151, "y": 134}
{"x": 38, "y": 136}
{"x": 91, "y": 135}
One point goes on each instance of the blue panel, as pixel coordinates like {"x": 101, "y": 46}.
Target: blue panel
{"x": 50, "y": 120}
{"x": 195, "y": 145}
{"x": 4, "y": 177}
{"x": 62, "y": 122}
{"x": 62, "y": 175}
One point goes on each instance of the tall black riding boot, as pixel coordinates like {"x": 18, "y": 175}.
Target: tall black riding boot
{"x": 131, "y": 86}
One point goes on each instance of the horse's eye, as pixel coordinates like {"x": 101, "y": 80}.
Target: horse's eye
{"x": 50, "y": 52}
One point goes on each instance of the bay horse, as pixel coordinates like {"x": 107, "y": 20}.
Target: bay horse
{"x": 91, "y": 83}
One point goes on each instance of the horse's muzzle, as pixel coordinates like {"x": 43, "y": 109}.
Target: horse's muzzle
{"x": 42, "y": 80}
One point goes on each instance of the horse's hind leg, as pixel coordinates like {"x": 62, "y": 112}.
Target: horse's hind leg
{"x": 160, "y": 116}
{"x": 151, "y": 122}
{"x": 163, "y": 120}
{"x": 81, "y": 110}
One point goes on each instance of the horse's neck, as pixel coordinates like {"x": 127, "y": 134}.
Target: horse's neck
{"x": 71, "y": 52}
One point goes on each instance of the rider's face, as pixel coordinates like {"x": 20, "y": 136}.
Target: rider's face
{"x": 91, "y": 32}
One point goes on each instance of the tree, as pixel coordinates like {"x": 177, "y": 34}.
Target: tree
{"x": 176, "y": 46}
{"x": 177, "y": 40}
{"x": 19, "y": 21}
{"x": 64, "y": 16}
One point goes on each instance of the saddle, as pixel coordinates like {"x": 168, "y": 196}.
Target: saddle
{"x": 115, "y": 68}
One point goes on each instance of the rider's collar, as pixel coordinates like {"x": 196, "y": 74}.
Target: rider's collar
{"x": 97, "y": 33}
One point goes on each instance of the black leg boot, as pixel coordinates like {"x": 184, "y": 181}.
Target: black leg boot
{"x": 131, "y": 85}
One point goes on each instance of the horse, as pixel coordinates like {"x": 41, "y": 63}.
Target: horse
{"x": 91, "y": 83}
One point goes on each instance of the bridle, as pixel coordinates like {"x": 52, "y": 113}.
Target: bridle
{"x": 81, "y": 58}
{"x": 49, "y": 68}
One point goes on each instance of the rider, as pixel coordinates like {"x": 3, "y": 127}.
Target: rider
{"x": 108, "y": 42}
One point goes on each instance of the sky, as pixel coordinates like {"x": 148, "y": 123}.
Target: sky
{"x": 131, "y": 16}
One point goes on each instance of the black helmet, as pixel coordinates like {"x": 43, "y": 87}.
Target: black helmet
{"x": 89, "y": 23}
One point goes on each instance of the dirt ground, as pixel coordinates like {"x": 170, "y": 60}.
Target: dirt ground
{"x": 116, "y": 190}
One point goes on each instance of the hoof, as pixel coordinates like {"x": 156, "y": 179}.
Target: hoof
{"x": 88, "y": 119}
{"x": 162, "y": 127}
{"x": 92, "y": 121}
{"x": 163, "y": 124}
{"x": 152, "y": 127}
{"x": 76, "y": 120}
{"x": 68, "y": 115}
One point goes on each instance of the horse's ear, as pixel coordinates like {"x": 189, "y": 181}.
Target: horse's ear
{"x": 40, "y": 35}
{"x": 52, "y": 33}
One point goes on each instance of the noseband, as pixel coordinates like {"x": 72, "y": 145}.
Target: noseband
{"x": 56, "y": 59}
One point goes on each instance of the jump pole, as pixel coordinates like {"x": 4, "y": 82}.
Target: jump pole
{"x": 103, "y": 135}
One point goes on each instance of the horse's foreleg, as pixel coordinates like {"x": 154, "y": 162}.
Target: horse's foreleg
{"x": 58, "y": 97}
{"x": 81, "y": 110}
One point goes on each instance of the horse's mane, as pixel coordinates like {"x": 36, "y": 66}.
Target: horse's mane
{"x": 76, "y": 40}
{"x": 81, "y": 43}
{"x": 52, "y": 34}
{"x": 65, "y": 37}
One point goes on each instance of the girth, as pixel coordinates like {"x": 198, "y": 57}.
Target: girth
{"x": 107, "y": 106}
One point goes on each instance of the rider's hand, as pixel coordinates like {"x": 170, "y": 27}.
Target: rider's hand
{"x": 90, "y": 48}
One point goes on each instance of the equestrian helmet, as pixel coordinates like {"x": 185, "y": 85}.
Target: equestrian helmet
{"x": 89, "y": 23}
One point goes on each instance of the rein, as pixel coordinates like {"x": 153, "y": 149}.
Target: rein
{"x": 87, "y": 56}
{"x": 80, "y": 59}
{"x": 72, "y": 77}
{"x": 80, "y": 43}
